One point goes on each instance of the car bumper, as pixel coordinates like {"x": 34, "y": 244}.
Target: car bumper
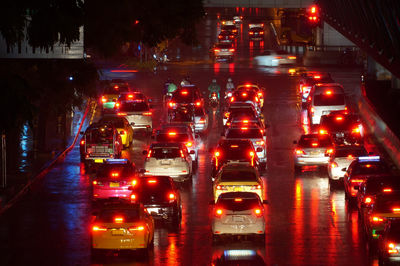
{"x": 311, "y": 160}
{"x": 136, "y": 241}
{"x": 219, "y": 228}
{"x": 177, "y": 176}
{"x": 160, "y": 212}
{"x": 122, "y": 192}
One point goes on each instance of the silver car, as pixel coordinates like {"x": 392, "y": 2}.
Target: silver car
{"x": 312, "y": 149}
{"x": 340, "y": 160}
{"x": 168, "y": 159}
{"x": 200, "y": 120}
{"x": 238, "y": 213}
{"x": 138, "y": 113}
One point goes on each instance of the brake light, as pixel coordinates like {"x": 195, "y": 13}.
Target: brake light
{"x": 219, "y": 36}
{"x": 198, "y": 103}
{"x": 232, "y": 99}
{"x": 217, "y": 50}
{"x": 256, "y": 99}
{"x": 244, "y": 128}
{"x": 317, "y": 77}
{"x": 261, "y": 32}
{"x": 350, "y": 157}
{"x": 189, "y": 144}
{"x": 329, "y": 151}
{"x": 258, "y": 212}
{"x": 134, "y": 182}
{"x": 238, "y": 200}
{"x": 217, "y": 154}
{"x": 323, "y": 131}
{"x": 377, "y": 219}
{"x": 171, "y": 104}
{"x": 94, "y": 182}
{"x": 149, "y": 154}
{"x": 147, "y": 113}
{"x": 136, "y": 228}
{"x": 184, "y": 92}
{"x": 231, "y": 50}
{"x": 368, "y": 200}
{"x": 314, "y": 144}
{"x": 339, "y": 118}
{"x": 260, "y": 94}
{"x": 121, "y": 114}
{"x": 152, "y": 181}
{"x": 130, "y": 96}
{"x": 251, "y": 33}
{"x": 218, "y": 212}
{"x": 171, "y": 197}
{"x": 171, "y": 133}
{"x": 244, "y": 94}
{"x": 328, "y": 92}
{"x": 292, "y": 57}
{"x": 299, "y": 152}
{"x": 103, "y": 99}
{"x": 387, "y": 190}
{"x": 133, "y": 197}
{"x": 356, "y": 130}
{"x": 118, "y": 220}
{"x": 82, "y": 142}
{"x": 396, "y": 210}
{"x": 114, "y": 174}
{"x": 392, "y": 249}
{"x": 261, "y": 142}
{"x": 334, "y": 165}
{"x": 97, "y": 228}
{"x": 357, "y": 180}
{"x": 116, "y": 87}
{"x": 251, "y": 153}
{"x": 117, "y": 104}
{"x": 312, "y": 108}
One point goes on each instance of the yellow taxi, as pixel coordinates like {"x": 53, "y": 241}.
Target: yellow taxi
{"x": 238, "y": 178}
{"x": 121, "y": 225}
{"x": 123, "y": 127}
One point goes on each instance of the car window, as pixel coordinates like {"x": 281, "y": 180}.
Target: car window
{"x": 123, "y": 171}
{"x": 238, "y": 176}
{"x": 370, "y": 168}
{"x": 387, "y": 203}
{"x": 240, "y": 204}
{"x": 352, "y": 152}
{"x": 134, "y": 107}
{"x": 128, "y": 215}
{"x": 100, "y": 136}
{"x": 153, "y": 190}
{"x": 328, "y": 100}
{"x": 315, "y": 141}
{"x": 243, "y": 133}
{"x": 165, "y": 137}
{"x": 165, "y": 153}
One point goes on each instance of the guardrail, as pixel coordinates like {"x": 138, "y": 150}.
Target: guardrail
{"x": 384, "y": 135}
{"x": 47, "y": 167}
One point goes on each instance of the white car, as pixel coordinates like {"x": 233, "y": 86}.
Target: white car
{"x": 340, "y": 160}
{"x": 275, "y": 58}
{"x": 238, "y": 213}
{"x": 200, "y": 120}
{"x": 168, "y": 159}
{"x": 138, "y": 113}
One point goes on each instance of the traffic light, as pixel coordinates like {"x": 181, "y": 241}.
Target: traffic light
{"x": 313, "y": 15}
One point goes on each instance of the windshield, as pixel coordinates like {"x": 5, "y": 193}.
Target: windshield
{"x": 238, "y": 176}
{"x": 116, "y": 121}
{"x": 370, "y": 168}
{"x": 165, "y": 137}
{"x": 134, "y": 107}
{"x": 386, "y": 203}
{"x": 243, "y": 133}
{"x": 352, "y": 152}
{"x": 328, "y": 100}
{"x": 165, "y": 153}
{"x": 154, "y": 192}
{"x": 315, "y": 141}
{"x": 115, "y": 171}
{"x": 240, "y": 204}
{"x": 100, "y": 136}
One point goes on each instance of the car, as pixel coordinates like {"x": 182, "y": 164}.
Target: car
{"x": 133, "y": 96}
{"x": 230, "y": 28}
{"x": 121, "y": 225}
{"x": 186, "y": 96}
{"x": 238, "y": 151}
{"x": 244, "y": 119}
{"x": 123, "y": 127}
{"x": 222, "y": 52}
{"x": 182, "y": 115}
{"x": 386, "y": 206}
{"x": 238, "y": 213}
{"x": 373, "y": 186}
{"x": 256, "y": 135}
{"x": 238, "y": 107}
{"x": 200, "y": 120}
{"x": 160, "y": 197}
{"x": 180, "y": 134}
{"x": 113, "y": 179}
{"x": 312, "y": 149}
{"x": 169, "y": 159}
{"x": 256, "y": 34}
{"x": 345, "y": 129}
{"x": 238, "y": 19}
{"x": 100, "y": 142}
{"x": 138, "y": 113}
{"x": 324, "y": 99}
{"x": 111, "y": 94}
{"x": 247, "y": 97}
{"x": 238, "y": 178}
{"x": 389, "y": 243}
{"x": 227, "y": 20}
{"x": 274, "y": 58}
{"x": 226, "y": 36}
{"x": 309, "y": 79}
{"x": 361, "y": 169}
{"x": 256, "y": 23}
{"x": 340, "y": 159}
{"x": 253, "y": 87}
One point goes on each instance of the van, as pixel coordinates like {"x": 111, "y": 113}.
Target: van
{"x": 325, "y": 98}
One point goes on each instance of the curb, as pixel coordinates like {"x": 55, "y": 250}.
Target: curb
{"x": 48, "y": 167}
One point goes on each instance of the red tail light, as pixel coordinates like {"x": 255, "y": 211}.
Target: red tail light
{"x": 232, "y": 99}
{"x": 291, "y": 57}
{"x": 121, "y": 114}
{"x": 220, "y": 37}
{"x": 217, "y": 154}
{"x": 329, "y": 151}
{"x": 323, "y": 131}
{"x": 238, "y": 200}
{"x": 82, "y": 142}
{"x": 218, "y": 212}
{"x": 231, "y": 50}
{"x": 152, "y": 181}
{"x": 133, "y": 197}
{"x": 261, "y": 32}
{"x": 261, "y": 142}
{"x": 368, "y": 200}
{"x": 117, "y": 105}
{"x": 171, "y": 104}
{"x": 118, "y": 220}
{"x": 357, "y": 180}
{"x": 334, "y": 165}
{"x": 217, "y": 50}
{"x": 396, "y": 210}
{"x": 387, "y": 190}
{"x": 256, "y": 99}
{"x": 392, "y": 248}
{"x": 149, "y": 154}
{"x": 103, "y": 99}
{"x": 198, "y": 103}
{"x": 377, "y": 219}
{"x": 314, "y": 144}
{"x": 189, "y": 144}
{"x": 299, "y": 152}
{"x": 184, "y": 92}
{"x": 147, "y": 113}
{"x": 258, "y": 212}
{"x": 98, "y": 228}
{"x": 171, "y": 197}
{"x": 136, "y": 228}
{"x": 356, "y": 130}
{"x": 115, "y": 174}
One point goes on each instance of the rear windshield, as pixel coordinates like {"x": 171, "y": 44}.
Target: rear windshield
{"x": 240, "y": 204}
{"x": 370, "y": 168}
{"x": 112, "y": 90}
{"x": 375, "y": 185}
{"x": 250, "y": 133}
{"x": 100, "y": 136}
{"x": 238, "y": 176}
{"x": 128, "y": 215}
{"x": 153, "y": 192}
{"x": 164, "y": 137}
{"x": 165, "y": 153}
{"x": 116, "y": 121}
{"x": 328, "y": 100}
{"x": 339, "y": 122}
{"x": 123, "y": 171}
{"x": 387, "y": 203}
{"x": 315, "y": 141}
{"x": 348, "y": 152}
{"x": 239, "y": 153}
{"x": 134, "y": 107}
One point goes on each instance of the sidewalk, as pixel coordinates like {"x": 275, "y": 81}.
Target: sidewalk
{"x": 31, "y": 163}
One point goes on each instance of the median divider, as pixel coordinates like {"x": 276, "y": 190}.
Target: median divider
{"x": 48, "y": 166}
{"x": 384, "y": 135}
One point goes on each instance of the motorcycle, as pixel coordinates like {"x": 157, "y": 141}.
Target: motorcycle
{"x": 214, "y": 102}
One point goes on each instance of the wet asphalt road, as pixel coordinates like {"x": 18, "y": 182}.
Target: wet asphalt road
{"x": 307, "y": 223}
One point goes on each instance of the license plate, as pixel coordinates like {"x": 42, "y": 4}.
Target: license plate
{"x": 166, "y": 162}
{"x": 237, "y": 189}
{"x": 98, "y": 160}
{"x": 238, "y": 219}
{"x": 152, "y": 210}
{"x": 315, "y": 153}
{"x": 114, "y": 184}
{"x": 117, "y": 232}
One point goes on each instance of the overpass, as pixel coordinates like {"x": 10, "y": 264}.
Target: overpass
{"x": 258, "y": 3}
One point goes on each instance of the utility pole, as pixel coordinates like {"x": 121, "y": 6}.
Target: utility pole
{"x": 3, "y": 182}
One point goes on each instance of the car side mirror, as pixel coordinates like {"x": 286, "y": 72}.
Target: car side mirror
{"x": 144, "y": 152}
{"x": 265, "y": 202}
{"x": 192, "y": 152}
{"x": 294, "y": 141}
{"x": 259, "y": 149}
{"x": 132, "y": 123}
{"x": 344, "y": 169}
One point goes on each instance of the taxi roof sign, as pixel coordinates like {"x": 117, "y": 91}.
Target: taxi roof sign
{"x": 117, "y": 161}
{"x": 369, "y": 159}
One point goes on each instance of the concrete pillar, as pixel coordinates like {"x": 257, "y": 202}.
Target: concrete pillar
{"x": 319, "y": 36}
